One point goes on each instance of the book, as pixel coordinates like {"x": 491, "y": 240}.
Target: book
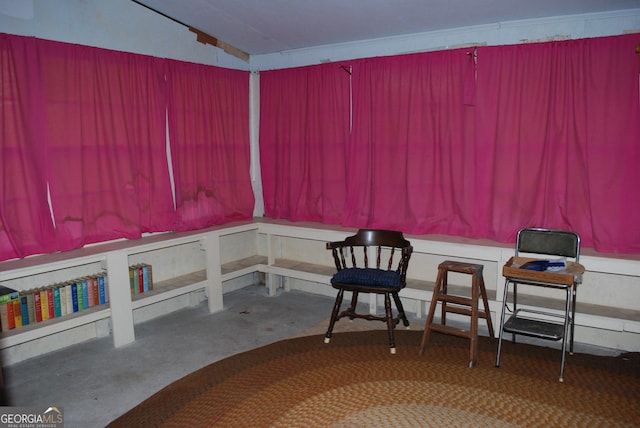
{"x": 30, "y": 307}
{"x": 85, "y": 295}
{"x": 70, "y": 309}
{"x": 7, "y": 294}
{"x": 50, "y": 303}
{"x": 94, "y": 290}
{"x": 57, "y": 305}
{"x": 140, "y": 279}
{"x": 44, "y": 304}
{"x": 74, "y": 296}
{"x": 37, "y": 305}
{"x": 17, "y": 313}
{"x": 63, "y": 299}
{"x": 11, "y": 319}
{"x": 102, "y": 292}
{"x": 24, "y": 309}
{"x": 132, "y": 281}
{"x": 4, "y": 317}
{"x": 147, "y": 278}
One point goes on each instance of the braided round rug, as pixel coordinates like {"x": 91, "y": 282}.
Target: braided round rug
{"x": 355, "y": 381}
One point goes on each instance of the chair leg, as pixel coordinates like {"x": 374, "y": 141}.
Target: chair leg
{"x": 390, "y": 322}
{"x": 567, "y": 320}
{"x": 401, "y": 315}
{"x": 573, "y": 317}
{"x": 502, "y": 321}
{"x": 334, "y": 315}
{"x": 354, "y": 303}
{"x": 432, "y": 311}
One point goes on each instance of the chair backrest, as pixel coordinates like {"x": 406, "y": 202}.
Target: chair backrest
{"x": 549, "y": 242}
{"x": 373, "y": 248}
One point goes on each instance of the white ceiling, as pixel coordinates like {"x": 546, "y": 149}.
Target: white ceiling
{"x": 268, "y": 26}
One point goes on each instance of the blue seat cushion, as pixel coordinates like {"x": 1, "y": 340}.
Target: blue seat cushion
{"x": 367, "y": 276}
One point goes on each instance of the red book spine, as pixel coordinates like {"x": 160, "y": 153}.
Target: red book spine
{"x": 37, "y": 306}
{"x": 140, "y": 279}
{"x": 11, "y": 320}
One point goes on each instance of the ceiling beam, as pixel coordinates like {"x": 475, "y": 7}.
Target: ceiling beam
{"x": 203, "y": 37}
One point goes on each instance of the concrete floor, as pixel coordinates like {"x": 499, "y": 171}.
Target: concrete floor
{"x": 95, "y": 383}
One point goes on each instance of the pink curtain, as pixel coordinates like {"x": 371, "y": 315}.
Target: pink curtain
{"x": 304, "y": 133}
{"x": 26, "y": 226}
{"x": 540, "y": 135}
{"x": 209, "y": 133}
{"x": 108, "y": 169}
{"x": 558, "y": 137}
{"x": 410, "y": 165}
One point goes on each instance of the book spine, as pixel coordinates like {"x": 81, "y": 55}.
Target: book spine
{"x": 69, "y": 298}
{"x": 94, "y": 290}
{"x": 140, "y": 279}
{"x": 90, "y": 301}
{"x": 132, "y": 281}
{"x": 4, "y": 317}
{"x": 85, "y": 294}
{"x": 17, "y": 313}
{"x": 101, "y": 290}
{"x": 57, "y": 305}
{"x": 37, "y": 305}
{"x": 62, "y": 289}
{"x": 24, "y": 308}
{"x": 8, "y": 297}
{"x": 44, "y": 305}
{"x": 51, "y": 306}
{"x": 11, "y": 319}
{"x": 74, "y": 296}
{"x": 145, "y": 277}
{"x": 150, "y": 277}
{"x": 31, "y": 307}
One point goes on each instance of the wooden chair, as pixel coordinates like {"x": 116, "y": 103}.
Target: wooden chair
{"x": 367, "y": 263}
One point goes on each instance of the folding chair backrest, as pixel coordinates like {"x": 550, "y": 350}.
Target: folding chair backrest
{"x": 549, "y": 242}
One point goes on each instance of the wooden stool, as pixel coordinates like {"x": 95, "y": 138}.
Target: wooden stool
{"x": 459, "y": 305}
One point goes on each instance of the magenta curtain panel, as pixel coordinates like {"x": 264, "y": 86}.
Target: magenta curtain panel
{"x": 105, "y": 118}
{"x": 26, "y": 226}
{"x": 535, "y": 135}
{"x": 209, "y": 132}
{"x": 558, "y": 140}
{"x": 304, "y": 134}
{"x": 410, "y": 165}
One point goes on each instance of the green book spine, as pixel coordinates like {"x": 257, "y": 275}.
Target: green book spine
{"x": 57, "y": 305}
{"x": 79, "y": 296}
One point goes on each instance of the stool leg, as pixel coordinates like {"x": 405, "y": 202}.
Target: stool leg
{"x": 432, "y": 311}
{"x": 443, "y": 291}
{"x": 473, "y": 349}
{"x": 485, "y": 302}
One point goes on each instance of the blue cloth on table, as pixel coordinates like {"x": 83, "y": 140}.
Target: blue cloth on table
{"x": 368, "y": 276}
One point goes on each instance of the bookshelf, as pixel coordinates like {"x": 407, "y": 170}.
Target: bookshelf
{"x": 290, "y": 256}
